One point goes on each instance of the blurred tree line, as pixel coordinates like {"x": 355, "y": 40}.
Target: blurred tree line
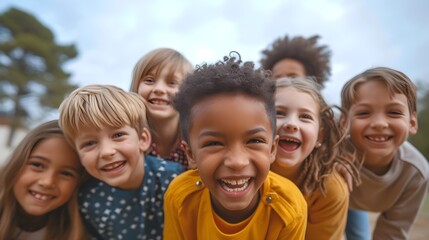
{"x": 421, "y": 139}
{"x": 31, "y": 71}
{"x": 32, "y": 78}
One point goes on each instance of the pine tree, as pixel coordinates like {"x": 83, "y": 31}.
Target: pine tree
{"x": 31, "y": 67}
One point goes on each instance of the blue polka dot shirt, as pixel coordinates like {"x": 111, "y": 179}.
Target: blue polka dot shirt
{"x": 112, "y": 213}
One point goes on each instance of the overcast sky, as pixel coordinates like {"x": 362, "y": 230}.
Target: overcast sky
{"x": 112, "y": 35}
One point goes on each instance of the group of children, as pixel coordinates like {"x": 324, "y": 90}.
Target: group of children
{"x": 222, "y": 151}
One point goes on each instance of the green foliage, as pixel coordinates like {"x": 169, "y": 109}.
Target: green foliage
{"x": 421, "y": 139}
{"x": 31, "y": 66}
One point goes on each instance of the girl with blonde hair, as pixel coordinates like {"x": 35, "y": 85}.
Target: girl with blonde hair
{"x": 157, "y": 77}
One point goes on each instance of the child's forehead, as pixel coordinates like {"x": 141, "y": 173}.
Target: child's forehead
{"x": 221, "y": 106}
{"x": 371, "y": 85}
{"x": 97, "y": 129}
{"x": 169, "y": 68}
{"x": 377, "y": 92}
{"x": 245, "y": 99}
{"x": 57, "y": 151}
{"x": 282, "y": 90}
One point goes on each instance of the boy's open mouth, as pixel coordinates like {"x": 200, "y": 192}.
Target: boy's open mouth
{"x": 113, "y": 166}
{"x": 379, "y": 138}
{"x": 235, "y": 185}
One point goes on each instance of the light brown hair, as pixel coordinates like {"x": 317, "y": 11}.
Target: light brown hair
{"x": 65, "y": 221}
{"x": 395, "y": 81}
{"x": 156, "y": 60}
{"x": 321, "y": 161}
{"x": 97, "y": 106}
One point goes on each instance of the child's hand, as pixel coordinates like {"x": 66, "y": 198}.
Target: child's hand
{"x": 344, "y": 171}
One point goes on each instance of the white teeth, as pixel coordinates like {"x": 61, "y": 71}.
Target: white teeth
{"x": 236, "y": 182}
{"x": 159, "y": 102}
{"x": 291, "y": 140}
{"x": 378, "y": 139}
{"x": 112, "y": 166}
{"x": 240, "y": 182}
{"x": 40, "y": 196}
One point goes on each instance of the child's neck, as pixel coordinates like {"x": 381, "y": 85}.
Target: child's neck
{"x": 30, "y": 223}
{"x": 237, "y": 216}
{"x": 165, "y": 135}
{"x": 378, "y": 165}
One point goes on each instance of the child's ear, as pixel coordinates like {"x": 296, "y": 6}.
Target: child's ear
{"x": 273, "y": 150}
{"x": 192, "y": 163}
{"x": 145, "y": 140}
{"x": 320, "y": 136}
{"x": 413, "y": 124}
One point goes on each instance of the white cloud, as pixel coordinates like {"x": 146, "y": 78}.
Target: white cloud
{"x": 112, "y": 35}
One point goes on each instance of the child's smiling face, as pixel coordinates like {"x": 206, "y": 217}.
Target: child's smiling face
{"x": 380, "y": 123}
{"x": 114, "y": 155}
{"x": 49, "y": 177}
{"x": 231, "y": 143}
{"x": 158, "y": 89}
{"x": 298, "y": 126}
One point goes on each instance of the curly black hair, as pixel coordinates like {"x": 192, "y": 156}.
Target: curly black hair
{"x": 316, "y": 59}
{"x": 228, "y": 76}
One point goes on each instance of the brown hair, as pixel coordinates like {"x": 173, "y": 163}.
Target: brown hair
{"x": 321, "y": 161}
{"x": 64, "y": 222}
{"x": 395, "y": 81}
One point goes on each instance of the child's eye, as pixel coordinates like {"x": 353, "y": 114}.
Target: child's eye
{"x": 212, "y": 144}
{"x": 306, "y": 116}
{"x": 280, "y": 114}
{"x": 256, "y": 140}
{"x": 37, "y": 165}
{"x": 395, "y": 113}
{"x": 361, "y": 113}
{"x": 173, "y": 83}
{"x": 68, "y": 174}
{"x": 148, "y": 81}
{"x": 118, "y": 134}
{"x": 88, "y": 144}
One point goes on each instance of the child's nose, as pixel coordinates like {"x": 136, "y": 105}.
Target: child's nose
{"x": 159, "y": 87}
{"x": 289, "y": 125}
{"x": 107, "y": 150}
{"x": 379, "y": 122}
{"x": 48, "y": 179}
{"x": 236, "y": 159}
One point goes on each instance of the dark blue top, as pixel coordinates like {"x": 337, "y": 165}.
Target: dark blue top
{"x": 112, "y": 213}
